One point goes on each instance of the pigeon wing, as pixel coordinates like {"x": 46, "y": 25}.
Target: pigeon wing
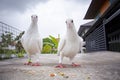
{"x": 61, "y": 45}
{"x": 40, "y": 43}
{"x": 81, "y": 43}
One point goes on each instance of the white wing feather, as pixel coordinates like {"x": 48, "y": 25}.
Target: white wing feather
{"x": 40, "y": 43}
{"x": 82, "y": 43}
{"x": 61, "y": 45}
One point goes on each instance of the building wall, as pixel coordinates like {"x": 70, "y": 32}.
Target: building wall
{"x": 106, "y": 32}
{"x": 104, "y": 7}
{"x": 113, "y": 31}
{"x": 96, "y": 41}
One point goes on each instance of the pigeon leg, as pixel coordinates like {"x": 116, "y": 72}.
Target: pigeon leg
{"x": 36, "y": 63}
{"x": 29, "y": 62}
{"x": 60, "y": 65}
{"x": 74, "y": 64}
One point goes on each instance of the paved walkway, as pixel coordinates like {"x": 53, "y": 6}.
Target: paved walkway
{"x": 94, "y": 66}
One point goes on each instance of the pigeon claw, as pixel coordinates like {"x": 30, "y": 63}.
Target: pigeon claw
{"x": 75, "y": 65}
{"x": 28, "y": 63}
{"x": 35, "y": 64}
{"x": 60, "y": 66}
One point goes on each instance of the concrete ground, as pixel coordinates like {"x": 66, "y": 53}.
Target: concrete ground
{"x": 94, "y": 66}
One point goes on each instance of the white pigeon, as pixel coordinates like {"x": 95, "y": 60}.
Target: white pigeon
{"x": 32, "y": 42}
{"x": 70, "y": 45}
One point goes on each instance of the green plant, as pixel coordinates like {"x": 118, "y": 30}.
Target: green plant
{"x": 50, "y": 44}
{"x": 47, "y": 49}
{"x": 20, "y": 55}
{"x": 18, "y": 45}
{"x": 7, "y": 39}
{"x": 54, "y": 40}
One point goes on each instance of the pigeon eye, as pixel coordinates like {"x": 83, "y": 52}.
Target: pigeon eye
{"x": 72, "y": 21}
{"x": 66, "y": 22}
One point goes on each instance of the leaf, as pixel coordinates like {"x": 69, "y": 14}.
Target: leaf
{"x": 54, "y": 40}
{"x": 47, "y": 49}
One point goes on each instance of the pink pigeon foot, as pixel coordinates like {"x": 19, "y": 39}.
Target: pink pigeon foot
{"x": 28, "y": 63}
{"x": 36, "y": 64}
{"x": 75, "y": 65}
{"x": 60, "y": 66}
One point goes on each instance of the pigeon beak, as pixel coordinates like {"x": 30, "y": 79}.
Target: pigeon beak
{"x": 69, "y": 25}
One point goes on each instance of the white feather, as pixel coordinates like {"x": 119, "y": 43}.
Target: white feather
{"x": 71, "y": 44}
{"x": 31, "y": 40}
{"x": 61, "y": 45}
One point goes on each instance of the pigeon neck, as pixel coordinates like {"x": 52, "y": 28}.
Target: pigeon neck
{"x": 71, "y": 31}
{"x": 33, "y": 28}
{"x": 33, "y": 24}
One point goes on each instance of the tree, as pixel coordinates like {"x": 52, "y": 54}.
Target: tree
{"x": 7, "y": 39}
{"x": 19, "y": 36}
{"x": 19, "y": 47}
{"x": 10, "y": 45}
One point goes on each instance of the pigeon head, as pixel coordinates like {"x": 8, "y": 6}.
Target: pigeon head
{"x": 69, "y": 23}
{"x": 34, "y": 18}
